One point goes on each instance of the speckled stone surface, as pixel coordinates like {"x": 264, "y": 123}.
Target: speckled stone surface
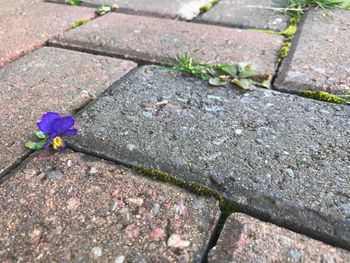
{"x": 322, "y": 66}
{"x": 49, "y": 79}
{"x": 183, "y": 9}
{"x": 158, "y": 40}
{"x": 27, "y": 25}
{"x": 68, "y": 207}
{"x": 246, "y": 239}
{"x": 246, "y": 14}
{"x": 279, "y": 155}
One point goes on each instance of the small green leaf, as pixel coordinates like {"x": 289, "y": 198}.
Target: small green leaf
{"x": 216, "y": 81}
{"x": 213, "y": 72}
{"x": 74, "y": 2}
{"x": 103, "y": 9}
{"x": 229, "y": 69}
{"x": 35, "y": 145}
{"x": 40, "y": 135}
{"x": 242, "y": 83}
{"x": 263, "y": 83}
{"x": 245, "y": 70}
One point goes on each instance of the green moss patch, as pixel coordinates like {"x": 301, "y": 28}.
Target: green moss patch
{"x": 78, "y": 23}
{"x": 323, "y": 96}
{"x": 208, "y": 6}
{"x": 196, "y": 188}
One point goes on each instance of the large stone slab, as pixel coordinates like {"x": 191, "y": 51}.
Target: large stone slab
{"x": 49, "y": 79}
{"x": 69, "y": 207}
{"x": 246, "y": 239}
{"x": 158, "y": 40}
{"x": 27, "y": 25}
{"x": 183, "y": 9}
{"x": 246, "y": 14}
{"x": 278, "y": 156}
{"x": 325, "y": 67}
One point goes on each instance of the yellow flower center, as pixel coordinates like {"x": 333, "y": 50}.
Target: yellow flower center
{"x": 57, "y": 142}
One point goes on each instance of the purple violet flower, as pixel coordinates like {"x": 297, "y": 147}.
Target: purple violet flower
{"x": 55, "y": 126}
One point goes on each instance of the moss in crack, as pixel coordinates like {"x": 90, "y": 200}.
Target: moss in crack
{"x": 323, "y": 96}
{"x": 284, "y": 50}
{"x": 193, "y": 187}
{"x": 292, "y": 25}
{"x": 227, "y": 209}
{"x": 208, "y": 6}
{"x": 78, "y": 23}
{"x": 289, "y": 33}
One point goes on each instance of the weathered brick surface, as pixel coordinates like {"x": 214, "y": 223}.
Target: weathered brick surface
{"x": 68, "y": 207}
{"x": 281, "y": 155}
{"x": 49, "y": 79}
{"x": 158, "y": 40}
{"x": 183, "y": 9}
{"x": 246, "y": 14}
{"x": 27, "y": 25}
{"x": 246, "y": 239}
{"x": 320, "y": 57}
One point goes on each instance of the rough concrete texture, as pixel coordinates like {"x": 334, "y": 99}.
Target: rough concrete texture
{"x": 246, "y": 14}
{"x": 246, "y": 239}
{"x": 278, "y": 155}
{"x": 183, "y": 9}
{"x": 49, "y": 79}
{"x": 323, "y": 67}
{"x": 27, "y": 25}
{"x": 158, "y": 40}
{"x": 68, "y": 207}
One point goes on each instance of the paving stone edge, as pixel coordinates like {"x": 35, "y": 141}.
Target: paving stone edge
{"x": 139, "y": 62}
{"x": 127, "y": 11}
{"x": 286, "y": 63}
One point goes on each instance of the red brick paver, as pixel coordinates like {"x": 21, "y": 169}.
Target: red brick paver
{"x": 157, "y": 40}
{"x": 27, "y": 25}
{"x": 246, "y": 239}
{"x": 49, "y": 79}
{"x": 68, "y": 207}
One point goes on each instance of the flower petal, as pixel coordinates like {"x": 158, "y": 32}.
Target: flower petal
{"x": 71, "y": 132}
{"x": 47, "y": 120}
{"x": 60, "y": 126}
{"x": 47, "y": 144}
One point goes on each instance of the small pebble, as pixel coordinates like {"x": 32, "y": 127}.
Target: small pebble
{"x": 155, "y": 208}
{"x": 239, "y": 131}
{"x": 119, "y": 259}
{"x": 294, "y": 255}
{"x": 289, "y": 172}
{"x": 96, "y": 251}
{"x": 54, "y": 175}
{"x": 135, "y": 201}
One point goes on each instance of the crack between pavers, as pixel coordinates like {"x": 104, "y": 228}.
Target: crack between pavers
{"x": 6, "y": 173}
{"x": 139, "y": 62}
{"x": 128, "y": 11}
{"x": 285, "y": 62}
